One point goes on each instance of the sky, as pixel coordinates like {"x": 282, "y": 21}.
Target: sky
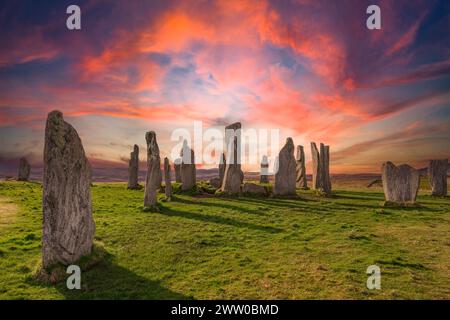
{"x": 308, "y": 68}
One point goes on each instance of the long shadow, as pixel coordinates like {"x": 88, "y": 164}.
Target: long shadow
{"x": 222, "y": 205}
{"x": 107, "y": 281}
{"x": 218, "y": 219}
{"x": 275, "y": 203}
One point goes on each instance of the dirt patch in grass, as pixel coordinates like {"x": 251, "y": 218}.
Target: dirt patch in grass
{"x": 8, "y": 211}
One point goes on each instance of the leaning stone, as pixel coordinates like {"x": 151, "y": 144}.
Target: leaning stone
{"x": 437, "y": 176}
{"x": 68, "y": 226}
{"x": 400, "y": 184}
{"x": 24, "y": 170}
{"x": 154, "y": 176}
{"x": 252, "y": 188}
{"x": 264, "y": 173}
{"x": 167, "y": 179}
{"x": 133, "y": 169}
{"x": 300, "y": 169}
{"x": 285, "y": 171}
{"x": 188, "y": 172}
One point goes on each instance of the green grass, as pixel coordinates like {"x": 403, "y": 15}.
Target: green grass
{"x": 200, "y": 247}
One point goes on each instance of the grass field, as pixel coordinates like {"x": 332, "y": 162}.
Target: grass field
{"x": 204, "y": 247}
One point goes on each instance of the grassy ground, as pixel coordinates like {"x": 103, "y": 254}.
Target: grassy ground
{"x": 236, "y": 248}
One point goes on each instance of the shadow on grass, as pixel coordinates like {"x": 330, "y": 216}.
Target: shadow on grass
{"x": 221, "y": 205}
{"x": 107, "y": 280}
{"x": 217, "y": 219}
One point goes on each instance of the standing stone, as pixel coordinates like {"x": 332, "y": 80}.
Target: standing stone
{"x": 24, "y": 170}
{"x": 325, "y": 167}
{"x": 177, "y": 169}
{"x": 68, "y": 226}
{"x": 400, "y": 184}
{"x": 233, "y": 175}
{"x": 437, "y": 176}
{"x": 167, "y": 179}
{"x": 316, "y": 170}
{"x": 222, "y": 164}
{"x": 188, "y": 173}
{"x": 264, "y": 173}
{"x": 285, "y": 170}
{"x": 321, "y": 168}
{"x": 154, "y": 176}
{"x": 133, "y": 169}
{"x": 300, "y": 169}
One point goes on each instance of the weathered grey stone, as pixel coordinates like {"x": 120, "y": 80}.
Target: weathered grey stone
{"x": 167, "y": 179}
{"x": 285, "y": 170}
{"x": 400, "y": 184}
{"x": 68, "y": 227}
{"x": 177, "y": 169}
{"x": 320, "y": 171}
{"x": 188, "y": 172}
{"x": 300, "y": 169}
{"x": 133, "y": 169}
{"x": 264, "y": 173}
{"x": 325, "y": 167}
{"x": 437, "y": 176}
{"x": 215, "y": 182}
{"x": 316, "y": 171}
{"x": 24, "y": 170}
{"x": 233, "y": 175}
{"x": 252, "y": 188}
{"x": 154, "y": 176}
{"x": 222, "y": 164}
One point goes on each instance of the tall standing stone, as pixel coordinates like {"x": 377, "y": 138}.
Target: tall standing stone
{"x": 233, "y": 175}
{"x": 316, "y": 170}
{"x": 400, "y": 184}
{"x": 188, "y": 172}
{"x": 300, "y": 168}
{"x": 264, "y": 173}
{"x": 154, "y": 176}
{"x": 321, "y": 168}
{"x": 325, "y": 167}
{"x": 177, "y": 169}
{"x": 285, "y": 170}
{"x": 24, "y": 170}
{"x": 167, "y": 179}
{"x": 133, "y": 169}
{"x": 437, "y": 176}
{"x": 68, "y": 226}
{"x": 222, "y": 165}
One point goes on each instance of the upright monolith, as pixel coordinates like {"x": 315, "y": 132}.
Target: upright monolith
{"x": 320, "y": 168}
{"x": 177, "y": 169}
{"x": 154, "y": 176}
{"x": 167, "y": 179}
{"x": 188, "y": 172}
{"x": 24, "y": 170}
{"x": 133, "y": 169}
{"x": 68, "y": 227}
{"x": 233, "y": 175}
{"x": 437, "y": 176}
{"x": 300, "y": 170}
{"x": 400, "y": 184}
{"x": 285, "y": 170}
{"x": 222, "y": 164}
